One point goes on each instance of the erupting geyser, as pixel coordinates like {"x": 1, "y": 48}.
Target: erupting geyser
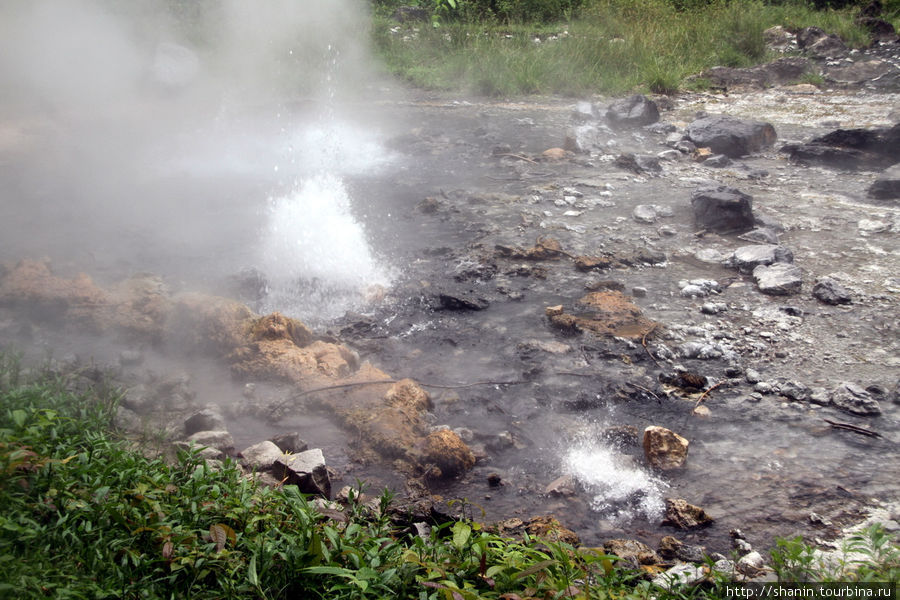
{"x": 315, "y": 253}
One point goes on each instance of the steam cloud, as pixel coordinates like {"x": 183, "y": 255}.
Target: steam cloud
{"x": 151, "y": 134}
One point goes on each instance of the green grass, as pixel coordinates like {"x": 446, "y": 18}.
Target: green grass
{"x": 613, "y": 47}
{"x": 82, "y": 515}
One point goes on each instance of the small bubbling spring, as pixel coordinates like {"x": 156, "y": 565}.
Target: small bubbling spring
{"x": 619, "y": 489}
{"x": 315, "y": 253}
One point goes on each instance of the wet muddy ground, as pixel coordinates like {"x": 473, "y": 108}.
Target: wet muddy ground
{"x": 455, "y": 179}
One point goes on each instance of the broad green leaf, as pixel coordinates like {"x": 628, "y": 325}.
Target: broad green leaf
{"x": 251, "y": 572}
{"x": 19, "y": 416}
{"x": 461, "y": 533}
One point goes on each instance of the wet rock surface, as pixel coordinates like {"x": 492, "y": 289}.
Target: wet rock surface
{"x": 527, "y": 392}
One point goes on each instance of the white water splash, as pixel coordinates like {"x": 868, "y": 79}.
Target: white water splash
{"x": 315, "y": 253}
{"x": 620, "y": 490}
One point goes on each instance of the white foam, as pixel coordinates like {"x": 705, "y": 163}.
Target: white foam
{"x": 620, "y": 490}
{"x": 315, "y": 253}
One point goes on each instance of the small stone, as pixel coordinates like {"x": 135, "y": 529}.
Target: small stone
{"x": 751, "y": 563}
{"x": 717, "y": 161}
{"x": 851, "y": 398}
{"x": 554, "y": 311}
{"x": 261, "y": 456}
{"x": 722, "y": 209}
{"x": 779, "y": 279}
{"x": 684, "y": 575}
{"x": 829, "y": 291}
{"x": 644, "y": 213}
{"x": 713, "y": 308}
{"x": 632, "y": 552}
{"x": 494, "y": 480}
{"x": 752, "y": 376}
{"x": 220, "y": 440}
{"x": 208, "y": 419}
{"x": 639, "y": 292}
{"x": 561, "y": 486}
{"x": 446, "y": 450}
{"x": 746, "y": 258}
{"x": 290, "y": 442}
{"x": 664, "y": 449}
{"x": 681, "y": 514}
{"x": 306, "y": 470}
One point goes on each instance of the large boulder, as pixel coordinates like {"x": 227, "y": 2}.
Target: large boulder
{"x": 850, "y": 149}
{"x": 779, "y": 72}
{"x": 664, "y": 449}
{"x": 731, "y": 136}
{"x": 306, "y": 470}
{"x": 818, "y": 44}
{"x": 722, "y": 209}
{"x": 634, "y": 111}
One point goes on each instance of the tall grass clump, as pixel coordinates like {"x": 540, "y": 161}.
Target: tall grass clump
{"x": 608, "y": 46}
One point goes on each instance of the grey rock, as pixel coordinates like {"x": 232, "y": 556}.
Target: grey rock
{"x": 639, "y": 292}
{"x": 850, "y": 149}
{"x": 290, "y": 442}
{"x": 731, "y": 136}
{"x": 779, "y": 72}
{"x": 887, "y": 185}
{"x": 722, "y": 209}
{"x": 829, "y": 291}
{"x": 638, "y": 163}
{"x": 220, "y": 440}
{"x": 779, "y": 279}
{"x": 634, "y": 111}
{"x": 685, "y": 146}
{"x": 644, "y": 213}
{"x": 683, "y": 575}
{"x": 306, "y": 470}
{"x": 461, "y": 301}
{"x": 208, "y": 419}
{"x": 140, "y": 400}
{"x": 794, "y": 390}
{"x": 752, "y": 376}
{"x": 127, "y": 420}
{"x": 669, "y": 155}
{"x": 761, "y": 235}
{"x": 261, "y": 456}
{"x": 129, "y": 358}
{"x": 746, "y": 258}
{"x": 717, "y": 161}
{"x": 713, "y": 308}
{"x": 851, "y": 398}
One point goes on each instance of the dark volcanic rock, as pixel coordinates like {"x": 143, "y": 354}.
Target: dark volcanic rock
{"x": 731, "y": 136}
{"x": 746, "y": 258}
{"x": 461, "y": 301}
{"x": 850, "y": 148}
{"x": 634, "y": 111}
{"x": 208, "y": 419}
{"x": 830, "y": 291}
{"x": 722, "y": 209}
{"x": 815, "y": 42}
{"x": 887, "y": 186}
{"x": 779, "y": 72}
